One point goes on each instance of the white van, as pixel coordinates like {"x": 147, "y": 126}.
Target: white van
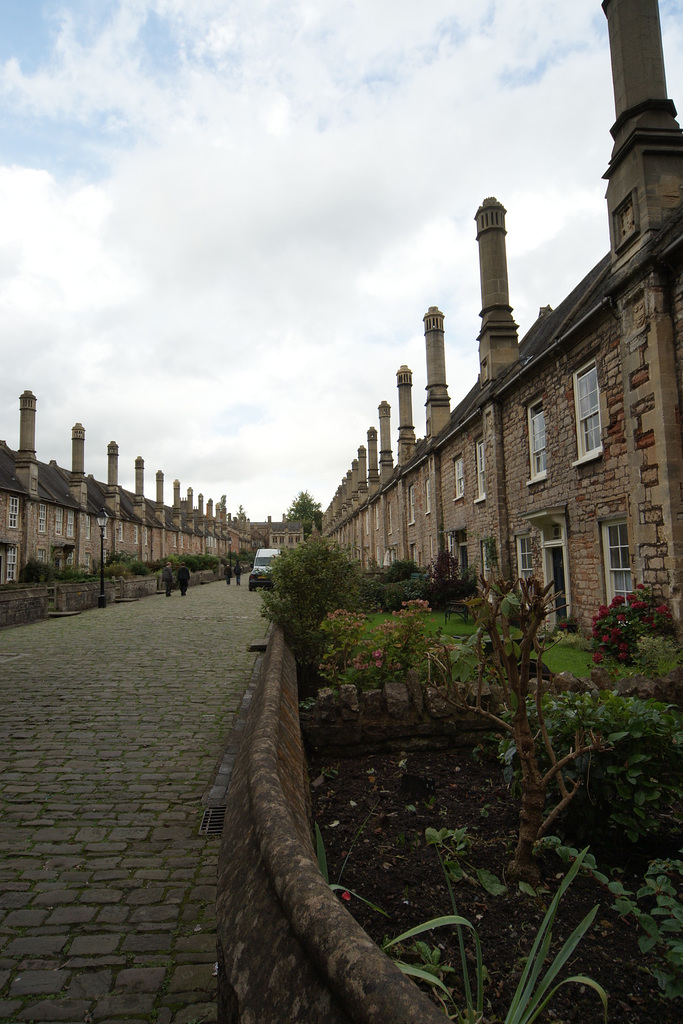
{"x": 260, "y": 574}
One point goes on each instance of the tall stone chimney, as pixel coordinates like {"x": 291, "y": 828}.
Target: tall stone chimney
{"x": 406, "y": 430}
{"x": 362, "y": 474}
{"x": 438, "y": 403}
{"x": 386, "y": 459}
{"x": 498, "y": 345}
{"x": 354, "y": 482}
{"x": 77, "y": 485}
{"x": 139, "y": 502}
{"x": 113, "y": 496}
{"x": 373, "y": 470}
{"x": 160, "y": 490}
{"x": 646, "y": 165}
{"x": 139, "y": 477}
{"x": 26, "y": 462}
{"x": 177, "y": 511}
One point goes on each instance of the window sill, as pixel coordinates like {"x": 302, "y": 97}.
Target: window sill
{"x": 541, "y": 478}
{"x": 589, "y": 457}
{"x": 478, "y": 501}
{"x": 459, "y": 497}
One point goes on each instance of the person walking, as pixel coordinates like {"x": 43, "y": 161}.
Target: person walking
{"x": 238, "y": 572}
{"x": 183, "y": 579}
{"x": 228, "y": 573}
{"x": 167, "y": 578}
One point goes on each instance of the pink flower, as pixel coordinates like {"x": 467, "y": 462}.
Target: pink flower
{"x": 346, "y": 896}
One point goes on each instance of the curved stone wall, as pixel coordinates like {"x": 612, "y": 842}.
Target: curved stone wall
{"x": 288, "y": 951}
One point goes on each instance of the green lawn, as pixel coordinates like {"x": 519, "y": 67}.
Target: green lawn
{"x": 561, "y": 657}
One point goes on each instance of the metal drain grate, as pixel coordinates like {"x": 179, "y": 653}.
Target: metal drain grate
{"x": 212, "y": 821}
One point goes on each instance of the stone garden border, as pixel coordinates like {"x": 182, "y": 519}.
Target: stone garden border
{"x": 288, "y": 951}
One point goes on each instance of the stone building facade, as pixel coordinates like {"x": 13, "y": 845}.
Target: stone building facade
{"x": 565, "y": 459}
{"x": 49, "y": 514}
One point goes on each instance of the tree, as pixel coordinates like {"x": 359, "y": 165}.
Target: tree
{"x": 307, "y": 510}
{"x": 309, "y": 581}
{"x": 509, "y": 618}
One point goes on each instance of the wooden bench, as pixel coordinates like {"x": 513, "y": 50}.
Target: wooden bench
{"x": 457, "y": 608}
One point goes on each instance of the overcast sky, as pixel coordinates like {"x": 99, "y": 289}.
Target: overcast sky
{"x": 222, "y": 221}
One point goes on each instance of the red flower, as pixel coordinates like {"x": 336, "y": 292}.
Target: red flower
{"x": 623, "y": 656}
{"x": 597, "y": 657}
{"x": 346, "y": 896}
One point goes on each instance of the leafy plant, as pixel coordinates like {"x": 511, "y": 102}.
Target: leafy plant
{"x": 663, "y": 924}
{"x": 37, "y": 572}
{"x": 617, "y": 628}
{"x": 509, "y": 617}
{"x": 308, "y": 582}
{"x": 452, "y": 845}
{"x": 535, "y": 989}
{"x": 636, "y": 778}
{"x": 447, "y": 583}
{"x": 401, "y": 569}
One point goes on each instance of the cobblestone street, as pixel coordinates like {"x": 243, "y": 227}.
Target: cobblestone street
{"x": 113, "y": 728}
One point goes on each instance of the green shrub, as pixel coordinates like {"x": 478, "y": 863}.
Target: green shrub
{"x": 37, "y": 572}
{"x": 308, "y": 582}
{"x": 393, "y": 596}
{"x": 370, "y": 591}
{"x": 626, "y": 788}
{"x": 400, "y": 570}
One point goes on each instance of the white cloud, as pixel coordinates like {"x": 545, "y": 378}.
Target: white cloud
{"x": 240, "y": 212}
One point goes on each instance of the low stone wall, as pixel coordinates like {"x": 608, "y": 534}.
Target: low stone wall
{"x": 77, "y": 597}
{"x": 135, "y": 586}
{"x": 400, "y": 716}
{"x": 403, "y": 716}
{"x": 21, "y": 605}
{"x": 288, "y": 951}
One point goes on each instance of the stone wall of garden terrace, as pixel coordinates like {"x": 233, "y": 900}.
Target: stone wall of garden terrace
{"x": 402, "y": 716}
{"x": 287, "y": 949}
{"x": 21, "y": 605}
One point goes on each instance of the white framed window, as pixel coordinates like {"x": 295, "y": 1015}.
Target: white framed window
{"x": 41, "y": 554}
{"x": 13, "y": 513}
{"x": 85, "y": 525}
{"x": 367, "y": 525}
{"x": 459, "y": 477}
{"x": 537, "y": 451}
{"x": 59, "y": 520}
{"x": 481, "y": 468}
{"x": 69, "y": 523}
{"x": 135, "y": 534}
{"x": 11, "y": 574}
{"x": 175, "y": 540}
{"x": 587, "y": 402}
{"x": 525, "y": 557}
{"x": 70, "y": 558}
{"x": 389, "y": 517}
{"x": 617, "y": 556}
{"x": 428, "y": 497}
{"x": 411, "y": 503}
{"x": 483, "y": 554}
{"x": 119, "y": 531}
{"x": 144, "y": 536}
{"x": 87, "y": 559}
{"x": 377, "y": 515}
{"x": 42, "y": 518}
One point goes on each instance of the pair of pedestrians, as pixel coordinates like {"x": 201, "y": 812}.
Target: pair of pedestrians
{"x": 183, "y": 578}
{"x": 229, "y": 571}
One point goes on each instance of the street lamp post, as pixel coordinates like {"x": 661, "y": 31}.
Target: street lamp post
{"x": 101, "y": 520}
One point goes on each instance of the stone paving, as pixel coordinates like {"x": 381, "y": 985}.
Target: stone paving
{"x": 113, "y": 730}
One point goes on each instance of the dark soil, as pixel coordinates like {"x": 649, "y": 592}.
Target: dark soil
{"x": 374, "y": 832}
